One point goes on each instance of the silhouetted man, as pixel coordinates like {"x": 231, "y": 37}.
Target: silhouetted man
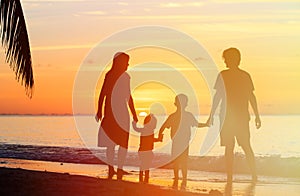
{"x": 234, "y": 89}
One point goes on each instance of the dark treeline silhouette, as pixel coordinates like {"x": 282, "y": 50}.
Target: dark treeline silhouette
{"x": 14, "y": 39}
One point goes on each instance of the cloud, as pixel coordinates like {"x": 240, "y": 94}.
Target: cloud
{"x": 99, "y": 12}
{"x": 50, "y": 1}
{"x": 62, "y": 47}
{"x": 123, "y": 3}
{"x": 254, "y": 1}
{"x": 171, "y": 5}
{"x": 178, "y": 5}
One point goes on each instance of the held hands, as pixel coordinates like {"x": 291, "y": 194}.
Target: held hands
{"x": 207, "y": 124}
{"x": 134, "y": 124}
{"x": 210, "y": 121}
{"x": 98, "y": 117}
{"x": 160, "y": 137}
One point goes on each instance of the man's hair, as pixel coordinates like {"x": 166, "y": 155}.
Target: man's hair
{"x": 232, "y": 55}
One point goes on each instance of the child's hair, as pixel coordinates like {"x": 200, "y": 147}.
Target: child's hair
{"x": 150, "y": 119}
{"x": 181, "y": 100}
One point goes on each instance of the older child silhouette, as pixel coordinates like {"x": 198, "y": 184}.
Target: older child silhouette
{"x": 180, "y": 123}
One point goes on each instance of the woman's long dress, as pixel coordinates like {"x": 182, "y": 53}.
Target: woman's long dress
{"x": 114, "y": 128}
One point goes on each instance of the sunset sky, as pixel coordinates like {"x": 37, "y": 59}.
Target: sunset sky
{"x": 62, "y": 32}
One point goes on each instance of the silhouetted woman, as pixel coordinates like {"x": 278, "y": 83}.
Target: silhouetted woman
{"x": 114, "y": 128}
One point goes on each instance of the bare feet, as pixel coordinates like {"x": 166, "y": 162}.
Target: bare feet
{"x": 111, "y": 172}
{"x": 183, "y": 185}
{"x": 119, "y": 174}
{"x": 175, "y": 184}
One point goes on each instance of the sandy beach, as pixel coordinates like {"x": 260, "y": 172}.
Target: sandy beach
{"x": 31, "y": 177}
{"x": 27, "y": 182}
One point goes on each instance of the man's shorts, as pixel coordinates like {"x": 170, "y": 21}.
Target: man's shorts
{"x": 232, "y": 130}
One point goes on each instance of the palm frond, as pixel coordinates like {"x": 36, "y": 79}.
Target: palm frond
{"x": 14, "y": 39}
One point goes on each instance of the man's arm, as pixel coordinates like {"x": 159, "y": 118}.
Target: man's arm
{"x": 215, "y": 104}
{"x": 195, "y": 122}
{"x": 253, "y": 103}
{"x": 161, "y": 130}
{"x": 200, "y": 125}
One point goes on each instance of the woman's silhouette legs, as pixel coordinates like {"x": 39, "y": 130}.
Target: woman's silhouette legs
{"x": 122, "y": 152}
{"x": 110, "y": 153}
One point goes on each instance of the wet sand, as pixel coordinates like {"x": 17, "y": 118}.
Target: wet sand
{"x": 57, "y": 178}
{"x": 15, "y": 181}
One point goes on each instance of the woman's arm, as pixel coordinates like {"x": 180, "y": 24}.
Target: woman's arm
{"x": 137, "y": 129}
{"x": 100, "y": 102}
{"x": 132, "y": 109}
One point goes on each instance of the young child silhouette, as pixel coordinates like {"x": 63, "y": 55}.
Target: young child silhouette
{"x": 180, "y": 123}
{"x": 146, "y": 145}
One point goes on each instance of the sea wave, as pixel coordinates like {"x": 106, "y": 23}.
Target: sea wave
{"x": 266, "y": 165}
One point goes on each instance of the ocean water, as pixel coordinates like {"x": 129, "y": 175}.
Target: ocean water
{"x": 66, "y": 139}
{"x": 278, "y": 136}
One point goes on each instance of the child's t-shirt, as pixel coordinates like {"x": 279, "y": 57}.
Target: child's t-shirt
{"x": 146, "y": 138}
{"x": 180, "y": 124}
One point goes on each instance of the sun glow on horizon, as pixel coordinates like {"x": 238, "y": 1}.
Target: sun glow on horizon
{"x": 62, "y": 33}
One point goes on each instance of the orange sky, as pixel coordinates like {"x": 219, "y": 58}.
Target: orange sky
{"x": 63, "y": 32}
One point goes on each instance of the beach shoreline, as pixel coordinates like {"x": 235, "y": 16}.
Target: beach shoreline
{"x": 202, "y": 183}
{"x": 275, "y": 166}
{"x": 14, "y": 181}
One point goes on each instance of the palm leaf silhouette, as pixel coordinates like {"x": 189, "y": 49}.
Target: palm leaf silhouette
{"x": 14, "y": 39}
